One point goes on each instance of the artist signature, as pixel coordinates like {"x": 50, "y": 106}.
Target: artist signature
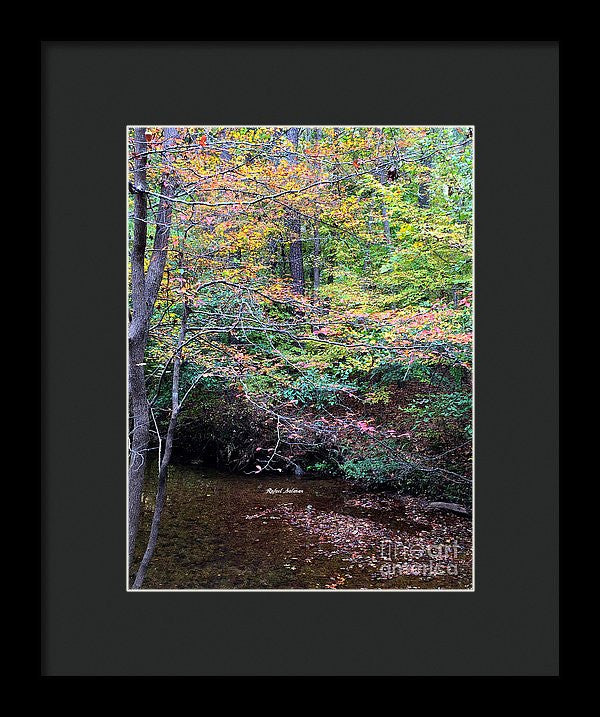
{"x": 284, "y": 490}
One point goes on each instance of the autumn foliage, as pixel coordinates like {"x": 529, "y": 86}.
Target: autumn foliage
{"x": 366, "y": 370}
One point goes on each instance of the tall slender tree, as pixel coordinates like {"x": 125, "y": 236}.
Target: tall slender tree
{"x": 423, "y": 195}
{"x": 165, "y": 457}
{"x": 382, "y": 178}
{"x": 294, "y": 226}
{"x": 138, "y": 337}
{"x": 317, "y": 240}
{"x": 144, "y": 290}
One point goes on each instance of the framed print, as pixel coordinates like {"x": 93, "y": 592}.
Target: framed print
{"x": 301, "y": 324}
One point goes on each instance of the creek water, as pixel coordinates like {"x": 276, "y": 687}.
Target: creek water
{"x": 226, "y": 531}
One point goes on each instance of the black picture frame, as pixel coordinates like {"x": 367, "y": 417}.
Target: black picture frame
{"x": 90, "y": 92}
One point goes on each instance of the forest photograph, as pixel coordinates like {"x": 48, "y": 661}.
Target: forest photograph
{"x": 300, "y": 358}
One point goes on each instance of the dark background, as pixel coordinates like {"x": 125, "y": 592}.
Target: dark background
{"x": 91, "y": 625}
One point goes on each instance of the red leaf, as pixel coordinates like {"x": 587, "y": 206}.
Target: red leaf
{"x": 203, "y": 140}
{"x": 355, "y": 163}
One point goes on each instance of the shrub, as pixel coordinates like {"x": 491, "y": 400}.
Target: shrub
{"x": 431, "y": 411}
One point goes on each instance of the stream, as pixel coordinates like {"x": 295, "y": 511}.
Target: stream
{"x": 226, "y": 531}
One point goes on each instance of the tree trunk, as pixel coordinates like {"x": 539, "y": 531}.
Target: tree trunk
{"x": 382, "y": 179}
{"x": 283, "y": 263}
{"x": 296, "y": 261}
{"x": 161, "y": 492}
{"x": 423, "y": 195}
{"x": 317, "y": 246}
{"x": 138, "y": 334}
{"x": 386, "y": 224}
{"x": 163, "y": 224}
{"x": 293, "y": 226}
{"x": 317, "y": 262}
{"x": 144, "y": 290}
